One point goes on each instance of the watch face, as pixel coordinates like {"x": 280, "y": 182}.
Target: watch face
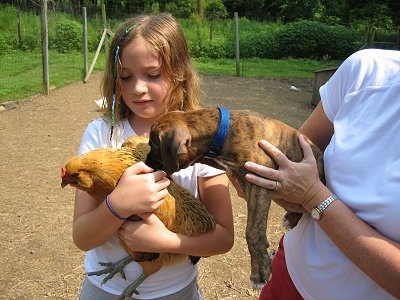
{"x": 315, "y": 214}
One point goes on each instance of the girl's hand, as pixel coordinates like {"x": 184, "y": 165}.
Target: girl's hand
{"x": 148, "y": 235}
{"x": 297, "y": 183}
{"x": 139, "y": 190}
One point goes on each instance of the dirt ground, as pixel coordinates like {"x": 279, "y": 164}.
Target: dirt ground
{"x": 38, "y": 258}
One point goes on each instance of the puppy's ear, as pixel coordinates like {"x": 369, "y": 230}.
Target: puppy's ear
{"x": 181, "y": 141}
{"x": 174, "y": 144}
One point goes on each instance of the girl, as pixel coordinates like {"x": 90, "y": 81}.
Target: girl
{"x": 148, "y": 73}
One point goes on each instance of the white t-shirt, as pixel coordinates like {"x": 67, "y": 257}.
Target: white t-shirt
{"x": 166, "y": 281}
{"x": 362, "y": 165}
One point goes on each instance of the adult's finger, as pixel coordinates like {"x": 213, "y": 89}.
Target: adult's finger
{"x": 307, "y": 150}
{"x": 261, "y": 181}
{"x": 274, "y": 152}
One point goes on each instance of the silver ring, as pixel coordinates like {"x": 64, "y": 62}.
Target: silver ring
{"x": 276, "y": 185}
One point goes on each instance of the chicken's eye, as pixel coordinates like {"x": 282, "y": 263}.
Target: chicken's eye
{"x": 73, "y": 177}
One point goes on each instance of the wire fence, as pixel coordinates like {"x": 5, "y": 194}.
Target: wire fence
{"x": 257, "y": 40}
{"x": 114, "y": 9}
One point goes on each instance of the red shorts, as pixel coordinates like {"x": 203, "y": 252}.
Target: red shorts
{"x": 280, "y": 286}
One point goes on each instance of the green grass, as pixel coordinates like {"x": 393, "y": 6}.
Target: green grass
{"x": 264, "y": 68}
{"x": 22, "y": 72}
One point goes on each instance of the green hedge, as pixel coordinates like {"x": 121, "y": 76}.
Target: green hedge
{"x": 312, "y": 39}
{"x": 66, "y": 37}
{"x": 302, "y": 39}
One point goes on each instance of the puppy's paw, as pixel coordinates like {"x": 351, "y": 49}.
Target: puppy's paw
{"x": 290, "y": 219}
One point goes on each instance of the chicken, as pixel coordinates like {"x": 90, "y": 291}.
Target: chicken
{"x": 97, "y": 172}
{"x": 101, "y": 103}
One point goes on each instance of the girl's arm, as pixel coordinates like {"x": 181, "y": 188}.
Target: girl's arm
{"x": 135, "y": 193}
{"x": 214, "y": 193}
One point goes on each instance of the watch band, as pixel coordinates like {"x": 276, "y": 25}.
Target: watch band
{"x": 316, "y": 212}
{"x": 324, "y": 205}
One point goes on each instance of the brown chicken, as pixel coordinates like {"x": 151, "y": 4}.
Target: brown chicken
{"x": 97, "y": 172}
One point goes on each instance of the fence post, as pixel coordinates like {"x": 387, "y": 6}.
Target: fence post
{"x": 19, "y": 31}
{"x": 45, "y": 48}
{"x": 103, "y": 14}
{"x": 85, "y": 43}
{"x": 237, "y": 44}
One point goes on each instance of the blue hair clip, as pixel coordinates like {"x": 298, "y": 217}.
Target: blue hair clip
{"x": 113, "y": 100}
{"x": 116, "y": 57}
{"x": 115, "y": 73}
{"x": 130, "y": 28}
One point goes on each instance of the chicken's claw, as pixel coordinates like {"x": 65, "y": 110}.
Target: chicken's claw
{"x": 112, "y": 268}
{"x": 131, "y": 289}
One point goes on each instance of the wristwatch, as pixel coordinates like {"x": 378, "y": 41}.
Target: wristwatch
{"x": 316, "y": 212}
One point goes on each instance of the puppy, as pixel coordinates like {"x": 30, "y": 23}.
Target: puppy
{"x": 227, "y": 139}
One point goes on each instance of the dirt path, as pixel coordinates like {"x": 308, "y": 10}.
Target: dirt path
{"x": 38, "y": 257}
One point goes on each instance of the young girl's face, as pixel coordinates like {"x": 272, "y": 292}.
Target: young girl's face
{"x": 143, "y": 86}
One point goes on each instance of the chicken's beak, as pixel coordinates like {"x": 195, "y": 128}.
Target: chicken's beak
{"x": 64, "y": 184}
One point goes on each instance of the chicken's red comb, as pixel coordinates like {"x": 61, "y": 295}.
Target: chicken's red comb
{"x": 63, "y": 172}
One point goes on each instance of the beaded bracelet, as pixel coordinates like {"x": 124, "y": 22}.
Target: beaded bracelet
{"x": 112, "y": 210}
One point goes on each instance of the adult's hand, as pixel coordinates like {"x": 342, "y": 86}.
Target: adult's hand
{"x": 294, "y": 182}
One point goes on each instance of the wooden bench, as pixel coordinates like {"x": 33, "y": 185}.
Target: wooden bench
{"x": 321, "y": 77}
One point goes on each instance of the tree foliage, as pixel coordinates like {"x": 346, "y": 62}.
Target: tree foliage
{"x": 378, "y": 21}
{"x": 343, "y": 11}
{"x": 214, "y": 11}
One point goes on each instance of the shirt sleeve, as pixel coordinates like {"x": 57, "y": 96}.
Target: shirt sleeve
{"x": 188, "y": 177}
{"x": 362, "y": 69}
{"x": 207, "y": 171}
{"x": 94, "y": 136}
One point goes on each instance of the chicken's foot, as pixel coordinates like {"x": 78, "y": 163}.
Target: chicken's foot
{"x": 131, "y": 289}
{"x": 112, "y": 268}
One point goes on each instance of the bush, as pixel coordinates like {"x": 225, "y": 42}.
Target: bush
{"x": 343, "y": 42}
{"x": 67, "y": 36}
{"x": 30, "y": 38}
{"x": 312, "y": 39}
{"x": 207, "y": 49}
{"x": 298, "y": 39}
{"x": 262, "y": 45}
{"x": 303, "y": 39}
{"x": 5, "y": 45}
{"x": 30, "y": 43}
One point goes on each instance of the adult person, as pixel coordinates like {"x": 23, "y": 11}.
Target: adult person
{"x": 350, "y": 247}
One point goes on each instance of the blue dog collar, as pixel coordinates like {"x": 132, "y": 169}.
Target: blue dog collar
{"x": 223, "y": 129}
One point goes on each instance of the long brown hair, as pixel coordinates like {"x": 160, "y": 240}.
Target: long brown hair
{"x": 163, "y": 33}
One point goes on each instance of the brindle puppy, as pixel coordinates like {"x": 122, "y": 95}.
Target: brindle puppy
{"x": 179, "y": 139}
